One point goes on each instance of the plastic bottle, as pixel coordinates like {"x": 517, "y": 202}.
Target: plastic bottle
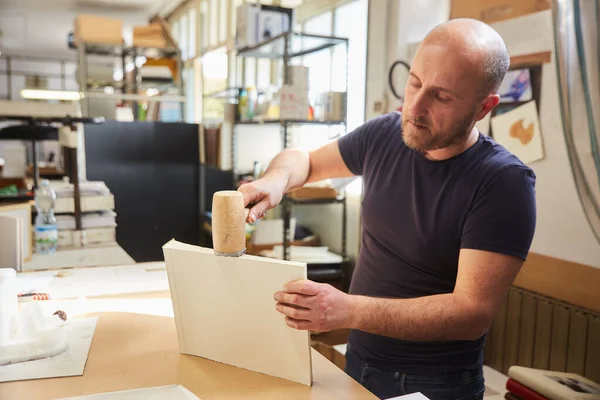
{"x": 46, "y": 230}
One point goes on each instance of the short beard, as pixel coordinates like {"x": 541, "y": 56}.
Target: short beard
{"x": 430, "y": 141}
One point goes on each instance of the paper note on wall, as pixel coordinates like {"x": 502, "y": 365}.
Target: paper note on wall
{"x": 519, "y": 131}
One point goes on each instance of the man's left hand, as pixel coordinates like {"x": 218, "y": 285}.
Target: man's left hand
{"x": 314, "y": 306}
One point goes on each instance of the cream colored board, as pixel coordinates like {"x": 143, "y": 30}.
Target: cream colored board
{"x": 11, "y": 249}
{"x": 22, "y": 211}
{"x": 224, "y": 311}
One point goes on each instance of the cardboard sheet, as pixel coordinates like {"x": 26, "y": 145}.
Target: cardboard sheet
{"x": 224, "y": 311}
{"x": 71, "y": 362}
{"x": 171, "y": 392}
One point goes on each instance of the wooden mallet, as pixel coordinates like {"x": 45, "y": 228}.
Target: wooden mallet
{"x": 229, "y": 223}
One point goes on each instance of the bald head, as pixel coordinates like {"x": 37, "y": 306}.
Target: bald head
{"x": 479, "y": 43}
{"x": 453, "y": 83}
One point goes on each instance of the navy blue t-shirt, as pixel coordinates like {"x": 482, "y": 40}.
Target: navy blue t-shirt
{"x": 417, "y": 214}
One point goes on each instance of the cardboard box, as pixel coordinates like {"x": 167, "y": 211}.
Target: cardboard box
{"x": 490, "y": 11}
{"x": 99, "y": 30}
{"x": 246, "y": 25}
{"x": 149, "y": 36}
{"x": 298, "y": 76}
{"x": 257, "y": 23}
{"x": 293, "y": 103}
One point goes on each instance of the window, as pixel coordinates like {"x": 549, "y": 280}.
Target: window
{"x": 328, "y": 69}
{"x": 223, "y": 8}
{"x": 351, "y": 22}
{"x": 204, "y": 21}
{"x": 234, "y": 6}
{"x": 175, "y": 31}
{"x": 184, "y": 35}
{"x": 188, "y": 74}
{"x": 213, "y": 22}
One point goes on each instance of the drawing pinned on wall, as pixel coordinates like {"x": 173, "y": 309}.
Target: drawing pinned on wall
{"x": 518, "y": 129}
{"x": 516, "y": 86}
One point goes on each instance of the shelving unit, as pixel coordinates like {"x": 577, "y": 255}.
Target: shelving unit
{"x": 36, "y": 129}
{"x": 286, "y": 47}
{"x": 129, "y": 91}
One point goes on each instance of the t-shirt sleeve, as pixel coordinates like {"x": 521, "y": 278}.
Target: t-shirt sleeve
{"x": 503, "y": 216}
{"x": 356, "y": 145}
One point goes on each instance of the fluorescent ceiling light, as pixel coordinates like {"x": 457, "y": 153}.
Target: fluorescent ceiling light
{"x": 37, "y": 94}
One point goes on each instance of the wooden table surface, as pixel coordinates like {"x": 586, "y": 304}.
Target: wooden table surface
{"x": 131, "y": 351}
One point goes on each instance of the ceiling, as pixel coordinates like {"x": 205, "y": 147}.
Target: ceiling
{"x": 41, "y": 27}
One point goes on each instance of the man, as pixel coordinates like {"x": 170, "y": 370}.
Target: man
{"x": 448, "y": 218}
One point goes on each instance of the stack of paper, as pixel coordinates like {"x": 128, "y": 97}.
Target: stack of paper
{"x": 101, "y": 219}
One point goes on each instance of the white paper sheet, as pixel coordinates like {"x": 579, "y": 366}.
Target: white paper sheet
{"x": 99, "y": 281}
{"x": 69, "y": 363}
{"x": 172, "y": 392}
{"x": 35, "y": 282}
{"x": 412, "y": 396}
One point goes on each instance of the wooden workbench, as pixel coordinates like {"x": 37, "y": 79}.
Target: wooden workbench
{"x": 131, "y": 351}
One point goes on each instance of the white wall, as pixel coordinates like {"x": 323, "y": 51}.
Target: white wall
{"x": 410, "y": 21}
{"x": 43, "y": 30}
{"x": 562, "y": 229}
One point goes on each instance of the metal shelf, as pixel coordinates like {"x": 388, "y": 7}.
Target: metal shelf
{"x": 326, "y": 274}
{"x": 16, "y": 198}
{"x": 32, "y": 119}
{"x": 152, "y": 52}
{"x": 115, "y": 50}
{"x": 290, "y": 122}
{"x": 229, "y": 93}
{"x": 99, "y": 49}
{"x": 285, "y": 47}
{"x": 299, "y": 44}
{"x": 129, "y": 92}
{"x": 337, "y": 200}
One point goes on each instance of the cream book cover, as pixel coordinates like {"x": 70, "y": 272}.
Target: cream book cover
{"x": 225, "y": 311}
{"x": 11, "y": 249}
{"x": 556, "y": 385}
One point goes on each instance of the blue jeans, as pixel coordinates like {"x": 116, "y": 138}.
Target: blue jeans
{"x": 460, "y": 385}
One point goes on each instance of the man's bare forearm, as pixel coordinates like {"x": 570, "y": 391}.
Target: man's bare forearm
{"x": 431, "y": 318}
{"x": 292, "y": 166}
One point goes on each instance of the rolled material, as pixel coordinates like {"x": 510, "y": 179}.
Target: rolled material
{"x": 228, "y": 223}
{"x": 9, "y": 304}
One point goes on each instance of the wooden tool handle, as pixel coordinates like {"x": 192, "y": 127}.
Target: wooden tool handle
{"x": 229, "y": 223}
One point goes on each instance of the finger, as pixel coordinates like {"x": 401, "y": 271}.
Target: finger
{"x": 295, "y": 299}
{"x": 303, "y": 286}
{"x": 298, "y": 324}
{"x": 259, "y": 210}
{"x": 294, "y": 312}
{"x": 249, "y": 194}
